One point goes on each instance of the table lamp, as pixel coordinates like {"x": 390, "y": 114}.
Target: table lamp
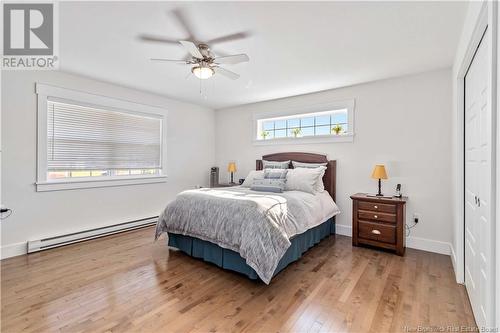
{"x": 379, "y": 173}
{"x": 231, "y": 167}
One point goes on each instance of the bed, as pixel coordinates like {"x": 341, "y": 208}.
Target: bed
{"x": 253, "y": 233}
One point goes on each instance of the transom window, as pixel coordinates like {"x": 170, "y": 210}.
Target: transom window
{"x": 314, "y": 124}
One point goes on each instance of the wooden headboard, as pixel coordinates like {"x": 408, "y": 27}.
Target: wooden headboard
{"x": 329, "y": 179}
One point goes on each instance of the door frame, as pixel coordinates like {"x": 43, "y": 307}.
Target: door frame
{"x": 487, "y": 18}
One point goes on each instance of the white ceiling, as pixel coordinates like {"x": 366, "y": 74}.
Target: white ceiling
{"x": 294, "y": 47}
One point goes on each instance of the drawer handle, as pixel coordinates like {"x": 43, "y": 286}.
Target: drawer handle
{"x": 375, "y": 216}
{"x": 376, "y": 207}
{"x": 376, "y": 232}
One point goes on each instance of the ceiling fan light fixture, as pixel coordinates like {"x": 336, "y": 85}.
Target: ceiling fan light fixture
{"x": 202, "y": 72}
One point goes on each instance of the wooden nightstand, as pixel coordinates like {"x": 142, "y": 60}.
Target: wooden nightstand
{"x": 379, "y": 222}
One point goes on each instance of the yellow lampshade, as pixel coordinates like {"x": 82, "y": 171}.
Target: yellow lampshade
{"x": 379, "y": 172}
{"x": 231, "y": 167}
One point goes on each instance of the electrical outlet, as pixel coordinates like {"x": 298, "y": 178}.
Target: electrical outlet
{"x": 416, "y": 217}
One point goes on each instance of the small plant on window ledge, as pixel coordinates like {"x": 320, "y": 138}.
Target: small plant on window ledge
{"x": 296, "y": 132}
{"x": 264, "y": 134}
{"x": 337, "y": 129}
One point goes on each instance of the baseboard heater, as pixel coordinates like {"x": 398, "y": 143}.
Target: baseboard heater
{"x": 49, "y": 243}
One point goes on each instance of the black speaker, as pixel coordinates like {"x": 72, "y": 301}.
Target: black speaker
{"x": 214, "y": 176}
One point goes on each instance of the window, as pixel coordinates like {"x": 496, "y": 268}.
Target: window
{"x": 93, "y": 142}
{"x": 88, "y": 141}
{"x": 326, "y": 123}
{"x": 333, "y": 123}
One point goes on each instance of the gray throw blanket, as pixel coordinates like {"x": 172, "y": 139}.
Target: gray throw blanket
{"x": 257, "y": 225}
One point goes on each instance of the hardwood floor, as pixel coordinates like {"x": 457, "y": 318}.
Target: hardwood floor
{"x": 128, "y": 283}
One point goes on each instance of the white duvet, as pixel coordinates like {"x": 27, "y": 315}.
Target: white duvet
{"x": 320, "y": 206}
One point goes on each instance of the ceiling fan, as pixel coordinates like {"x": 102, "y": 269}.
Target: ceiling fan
{"x": 204, "y": 64}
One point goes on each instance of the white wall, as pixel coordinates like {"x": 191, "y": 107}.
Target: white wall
{"x": 37, "y": 215}
{"x": 402, "y": 122}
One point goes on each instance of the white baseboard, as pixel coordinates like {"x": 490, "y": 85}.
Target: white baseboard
{"x": 453, "y": 259}
{"x": 13, "y": 250}
{"x": 454, "y": 263}
{"x": 345, "y": 230}
{"x": 429, "y": 245}
{"x": 417, "y": 243}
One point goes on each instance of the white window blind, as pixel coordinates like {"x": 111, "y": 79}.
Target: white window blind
{"x": 91, "y": 138}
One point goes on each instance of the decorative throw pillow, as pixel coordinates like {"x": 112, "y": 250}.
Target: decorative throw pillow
{"x": 304, "y": 179}
{"x": 319, "y": 187}
{"x": 251, "y": 176}
{"x": 275, "y": 165}
{"x": 275, "y": 173}
{"x": 274, "y": 181}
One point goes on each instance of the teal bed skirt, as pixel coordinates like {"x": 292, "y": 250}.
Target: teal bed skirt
{"x": 231, "y": 260}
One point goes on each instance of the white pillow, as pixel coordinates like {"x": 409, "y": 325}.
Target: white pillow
{"x": 319, "y": 187}
{"x": 254, "y": 174}
{"x": 275, "y": 164}
{"x": 307, "y": 165}
{"x": 304, "y": 179}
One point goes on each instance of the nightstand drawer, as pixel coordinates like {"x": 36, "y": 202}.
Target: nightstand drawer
{"x": 376, "y": 231}
{"x": 376, "y": 216}
{"x": 377, "y": 207}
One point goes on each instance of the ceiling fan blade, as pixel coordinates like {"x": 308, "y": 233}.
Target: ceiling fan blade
{"x": 227, "y": 73}
{"x": 168, "y": 60}
{"x": 191, "y": 48}
{"x": 157, "y": 39}
{"x": 184, "y": 22}
{"x": 232, "y": 59}
{"x": 231, "y": 37}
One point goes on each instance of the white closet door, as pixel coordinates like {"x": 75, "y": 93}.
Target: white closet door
{"x": 478, "y": 156}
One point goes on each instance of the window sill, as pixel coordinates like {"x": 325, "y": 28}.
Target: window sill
{"x": 306, "y": 140}
{"x": 59, "y": 185}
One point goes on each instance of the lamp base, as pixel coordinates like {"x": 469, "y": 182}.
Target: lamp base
{"x": 379, "y": 194}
